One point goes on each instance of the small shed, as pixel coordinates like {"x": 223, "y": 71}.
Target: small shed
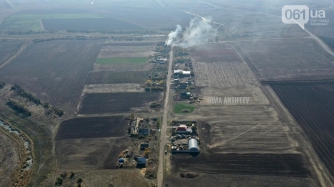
{"x": 141, "y": 162}
{"x": 121, "y": 160}
{"x": 143, "y": 146}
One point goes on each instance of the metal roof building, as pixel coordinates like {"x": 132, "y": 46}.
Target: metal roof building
{"x": 193, "y": 145}
{"x": 141, "y": 162}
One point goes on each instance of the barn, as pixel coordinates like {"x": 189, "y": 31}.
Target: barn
{"x": 193, "y": 145}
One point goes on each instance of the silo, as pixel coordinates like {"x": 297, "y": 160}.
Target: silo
{"x": 193, "y": 145}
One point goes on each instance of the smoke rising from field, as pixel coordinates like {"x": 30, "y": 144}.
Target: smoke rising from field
{"x": 173, "y": 35}
{"x": 199, "y": 31}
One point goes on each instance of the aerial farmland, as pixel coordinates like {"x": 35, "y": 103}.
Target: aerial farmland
{"x": 158, "y": 93}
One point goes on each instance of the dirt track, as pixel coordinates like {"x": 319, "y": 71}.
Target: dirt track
{"x": 163, "y": 138}
{"x": 23, "y": 47}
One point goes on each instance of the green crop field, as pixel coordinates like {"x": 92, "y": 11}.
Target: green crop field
{"x": 122, "y": 60}
{"x": 181, "y": 107}
{"x": 27, "y": 22}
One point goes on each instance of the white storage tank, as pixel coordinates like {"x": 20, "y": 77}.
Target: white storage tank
{"x": 193, "y": 145}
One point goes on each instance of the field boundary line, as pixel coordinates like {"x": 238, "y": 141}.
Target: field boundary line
{"x": 159, "y": 2}
{"x": 40, "y": 21}
{"x": 10, "y": 4}
{"x": 322, "y": 44}
{"x": 23, "y": 47}
{"x": 256, "y": 77}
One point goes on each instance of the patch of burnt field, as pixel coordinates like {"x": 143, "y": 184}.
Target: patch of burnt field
{"x": 286, "y": 59}
{"x": 312, "y": 105}
{"x": 215, "y": 53}
{"x": 92, "y": 127}
{"x": 100, "y": 103}
{"x": 90, "y": 153}
{"x": 251, "y": 164}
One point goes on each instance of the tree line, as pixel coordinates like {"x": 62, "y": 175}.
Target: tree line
{"x": 114, "y": 38}
{"x": 113, "y": 31}
{"x": 162, "y": 49}
{"x": 18, "y": 90}
{"x": 18, "y": 107}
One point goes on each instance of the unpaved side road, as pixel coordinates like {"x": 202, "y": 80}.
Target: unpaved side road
{"x": 163, "y": 137}
{"x": 320, "y": 42}
{"x": 23, "y": 47}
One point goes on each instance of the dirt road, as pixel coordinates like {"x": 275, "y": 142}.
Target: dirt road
{"x": 320, "y": 42}
{"x": 163, "y": 138}
{"x": 23, "y": 47}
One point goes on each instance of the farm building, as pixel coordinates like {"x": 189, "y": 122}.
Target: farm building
{"x": 185, "y": 95}
{"x": 141, "y": 162}
{"x": 193, "y": 145}
{"x": 186, "y": 73}
{"x": 183, "y": 129}
{"x": 143, "y": 146}
{"x": 161, "y": 60}
{"x": 178, "y": 72}
{"x": 144, "y": 132}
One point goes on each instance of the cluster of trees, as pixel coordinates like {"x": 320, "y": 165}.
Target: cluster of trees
{"x": 67, "y": 180}
{"x": 154, "y": 89}
{"x": 179, "y": 51}
{"x": 57, "y": 111}
{"x": 163, "y": 50}
{"x": 18, "y": 107}
{"x": 167, "y": 29}
{"x": 70, "y": 38}
{"x": 113, "y": 31}
{"x": 127, "y": 38}
{"x": 19, "y": 91}
{"x": 182, "y": 60}
{"x": 2, "y": 84}
{"x": 115, "y": 38}
{"x": 155, "y": 105}
{"x": 26, "y": 32}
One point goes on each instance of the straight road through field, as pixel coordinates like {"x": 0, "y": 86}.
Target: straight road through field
{"x": 163, "y": 138}
{"x": 320, "y": 42}
{"x": 23, "y": 47}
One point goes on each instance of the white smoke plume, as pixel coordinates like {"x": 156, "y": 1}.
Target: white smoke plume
{"x": 199, "y": 32}
{"x": 173, "y": 35}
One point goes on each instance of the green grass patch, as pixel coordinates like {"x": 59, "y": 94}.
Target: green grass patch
{"x": 122, "y": 60}
{"x": 183, "y": 108}
{"x": 27, "y": 22}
